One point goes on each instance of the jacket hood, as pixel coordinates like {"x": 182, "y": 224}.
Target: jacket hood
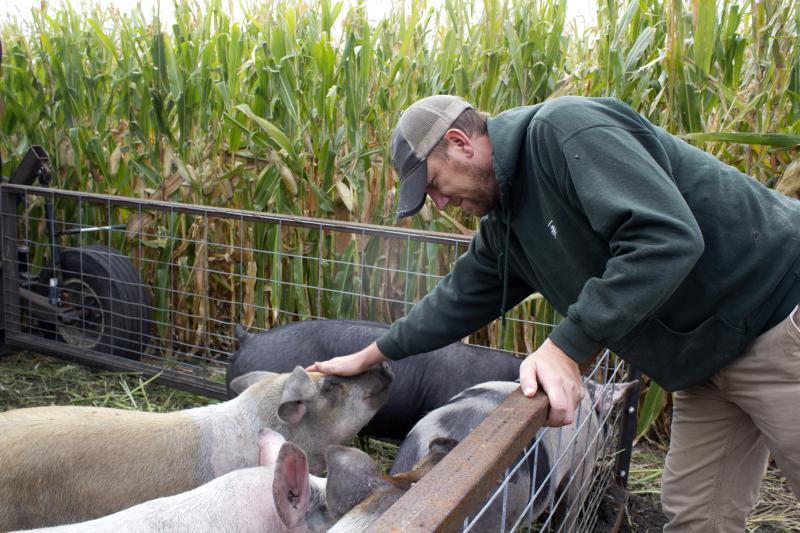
{"x": 508, "y": 134}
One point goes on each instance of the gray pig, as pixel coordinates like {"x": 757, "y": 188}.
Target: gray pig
{"x": 358, "y": 495}
{"x": 564, "y": 462}
{"x": 421, "y": 383}
{"x": 70, "y": 464}
{"x": 270, "y": 498}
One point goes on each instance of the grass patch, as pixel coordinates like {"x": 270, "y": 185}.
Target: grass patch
{"x": 28, "y": 379}
{"x": 776, "y": 508}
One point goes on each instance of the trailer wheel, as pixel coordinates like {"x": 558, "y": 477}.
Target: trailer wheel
{"x": 107, "y": 307}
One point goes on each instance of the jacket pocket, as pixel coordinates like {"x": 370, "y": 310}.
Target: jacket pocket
{"x": 794, "y": 322}
{"x": 676, "y": 360}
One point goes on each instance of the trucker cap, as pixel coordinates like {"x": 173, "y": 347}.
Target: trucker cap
{"x": 419, "y": 129}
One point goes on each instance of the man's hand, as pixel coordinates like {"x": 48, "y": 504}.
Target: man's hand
{"x": 559, "y": 377}
{"x": 350, "y": 365}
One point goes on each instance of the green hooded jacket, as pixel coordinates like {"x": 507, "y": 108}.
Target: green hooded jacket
{"x": 647, "y": 245}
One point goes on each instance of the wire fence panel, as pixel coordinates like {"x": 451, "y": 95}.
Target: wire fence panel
{"x": 165, "y": 283}
{"x": 564, "y": 470}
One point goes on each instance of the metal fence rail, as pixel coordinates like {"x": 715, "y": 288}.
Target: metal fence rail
{"x": 157, "y": 287}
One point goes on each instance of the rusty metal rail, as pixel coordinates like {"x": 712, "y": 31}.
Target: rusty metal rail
{"x": 240, "y": 214}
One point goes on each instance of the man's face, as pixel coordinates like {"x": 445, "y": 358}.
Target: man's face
{"x": 466, "y": 183}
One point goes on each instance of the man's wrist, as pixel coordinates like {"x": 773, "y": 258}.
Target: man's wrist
{"x": 373, "y": 355}
{"x": 556, "y": 355}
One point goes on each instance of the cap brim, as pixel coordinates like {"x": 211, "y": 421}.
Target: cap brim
{"x": 413, "y": 189}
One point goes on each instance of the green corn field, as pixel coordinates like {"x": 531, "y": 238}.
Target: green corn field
{"x": 291, "y": 108}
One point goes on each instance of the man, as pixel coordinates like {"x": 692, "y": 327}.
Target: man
{"x": 682, "y": 265}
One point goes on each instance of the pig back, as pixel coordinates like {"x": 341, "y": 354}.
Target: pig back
{"x": 456, "y": 419}
{"x": 421, "y": 383}
{"x": 299, "y": 344}
{"x": 77, "y": 463}
{"x": 238, "y": 502}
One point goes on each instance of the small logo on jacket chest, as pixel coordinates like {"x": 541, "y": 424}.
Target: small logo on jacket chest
{"x": 553, "y": 230}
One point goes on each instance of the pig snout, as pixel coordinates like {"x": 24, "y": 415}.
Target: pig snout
{"x": 357, "y": 494}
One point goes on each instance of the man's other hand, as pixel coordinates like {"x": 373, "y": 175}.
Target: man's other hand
{"x": 558, "y": 376}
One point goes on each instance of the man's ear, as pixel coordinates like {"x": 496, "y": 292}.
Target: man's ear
{"x": 457, "y": 139}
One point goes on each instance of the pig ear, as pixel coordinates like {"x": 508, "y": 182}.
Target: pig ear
{"x": 241, "y": 333}
{"x": 437, "y": 449}
{"x": 606, "y": 396}
{"x": 442, "y": 445}
{"x": 269, "y": 445}
{"x": 239, "y": 384}
{"x": 297, "y": 390}
{"x": 352, "y": 476}
{"x": 290, "y": 485}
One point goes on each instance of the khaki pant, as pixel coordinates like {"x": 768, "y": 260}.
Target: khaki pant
{"x": 724, "y": 429}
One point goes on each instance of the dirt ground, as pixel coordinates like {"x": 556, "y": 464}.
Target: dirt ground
{"x": 643, "y": 514}
{"x": 776, "y": 510}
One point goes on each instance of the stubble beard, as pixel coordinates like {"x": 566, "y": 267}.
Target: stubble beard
{"x": 485, "y": 193}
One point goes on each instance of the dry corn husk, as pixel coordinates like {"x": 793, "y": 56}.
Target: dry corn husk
{"x": 789, "y": 183}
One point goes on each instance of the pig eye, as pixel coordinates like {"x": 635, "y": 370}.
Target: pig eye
{"x": 330, "y": 385}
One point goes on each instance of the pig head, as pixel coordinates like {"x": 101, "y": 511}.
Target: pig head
{"x": 316, "y": 410}
{"x": 421, "y": 383}
{"x": 357, "y": 495}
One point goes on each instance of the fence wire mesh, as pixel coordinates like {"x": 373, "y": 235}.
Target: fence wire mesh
{"x": 164, "y": 284}
{"x": 168, "y": 282}
{"x": 559, "y": 480}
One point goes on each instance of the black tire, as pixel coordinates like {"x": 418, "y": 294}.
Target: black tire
{"x": 111, "y": 304}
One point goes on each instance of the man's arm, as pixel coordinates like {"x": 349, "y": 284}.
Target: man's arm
{"x": 653, "y": 237}
{"x": 463, "y": 301}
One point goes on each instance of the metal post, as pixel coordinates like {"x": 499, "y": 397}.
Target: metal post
{"x": 10, "y": 286}
{"x": 628, "y": 429}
